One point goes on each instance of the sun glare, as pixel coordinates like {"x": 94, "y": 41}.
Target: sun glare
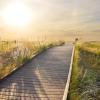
{"x": 17, "y": 14}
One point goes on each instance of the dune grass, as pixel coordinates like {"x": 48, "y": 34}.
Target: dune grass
{"x": 13, "y": 54}
{"x": 85, "y": 79}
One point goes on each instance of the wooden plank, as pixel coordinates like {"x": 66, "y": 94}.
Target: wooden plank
{"x": 44, "y": 78}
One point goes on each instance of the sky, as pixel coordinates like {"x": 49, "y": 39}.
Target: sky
{"x": 56, "y": 17}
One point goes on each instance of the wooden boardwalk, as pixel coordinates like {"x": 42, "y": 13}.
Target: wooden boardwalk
{"x": 44, "y": 78}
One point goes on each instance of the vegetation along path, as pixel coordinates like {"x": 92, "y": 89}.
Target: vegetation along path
{"x": 44, "y": 78}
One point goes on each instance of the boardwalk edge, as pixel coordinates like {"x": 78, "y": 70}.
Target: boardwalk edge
{"x": 69, "y": 76}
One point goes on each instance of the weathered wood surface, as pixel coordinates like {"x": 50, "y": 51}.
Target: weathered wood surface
{"x": 44, "y": 78}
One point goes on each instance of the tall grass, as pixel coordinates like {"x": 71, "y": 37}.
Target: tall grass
{"x": 85, "y": 80}
{"x": 15, "y": 53}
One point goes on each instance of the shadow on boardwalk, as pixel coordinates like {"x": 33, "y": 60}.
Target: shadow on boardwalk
{"x": 22, "y": 85}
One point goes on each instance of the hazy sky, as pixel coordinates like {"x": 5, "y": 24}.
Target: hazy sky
{"x": 57, "y": 16}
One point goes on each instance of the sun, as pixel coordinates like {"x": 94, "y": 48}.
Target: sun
{"x": 17, "y": 14}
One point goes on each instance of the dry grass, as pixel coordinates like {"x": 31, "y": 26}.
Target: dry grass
{"x": 15, "y": 53}
{"x": 85, "y": 80}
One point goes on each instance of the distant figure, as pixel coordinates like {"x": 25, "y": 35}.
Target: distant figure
{"x": 76, "y": 39}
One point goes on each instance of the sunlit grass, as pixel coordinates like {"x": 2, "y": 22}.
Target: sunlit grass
{"x": 85, "y": 80}
{"x": 13, "y": 54}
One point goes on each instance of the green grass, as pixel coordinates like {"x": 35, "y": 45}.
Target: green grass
{"x": 15, "y": 53}
{"x": 85, "y": 79}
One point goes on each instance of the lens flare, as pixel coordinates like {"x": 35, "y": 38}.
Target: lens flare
{"x": 17, "y": 14}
